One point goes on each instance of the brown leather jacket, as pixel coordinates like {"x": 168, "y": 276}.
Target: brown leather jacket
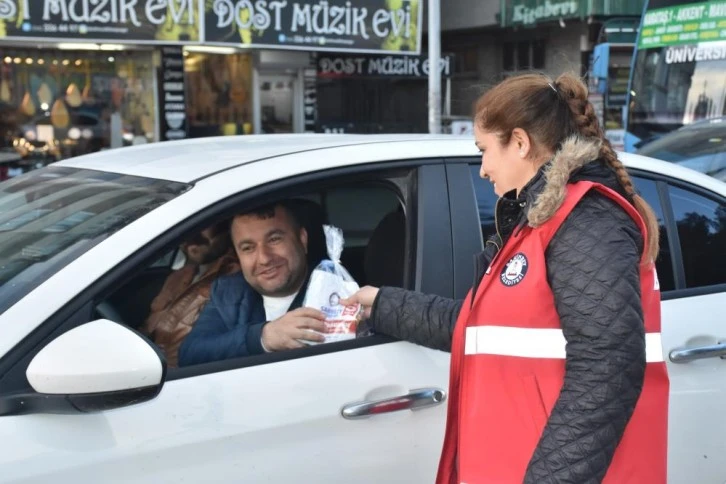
{"x": 177, "y": 306}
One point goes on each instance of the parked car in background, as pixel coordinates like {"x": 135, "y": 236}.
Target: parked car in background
{"x": 700, "y": 146}
{"x": 85, "y": 245}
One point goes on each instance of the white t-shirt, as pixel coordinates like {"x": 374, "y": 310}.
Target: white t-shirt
{"x": 276, "y": 307}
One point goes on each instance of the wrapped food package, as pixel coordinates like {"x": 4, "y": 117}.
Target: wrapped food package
{"x": 329, "y": 283}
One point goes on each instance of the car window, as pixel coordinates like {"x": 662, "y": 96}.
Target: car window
{"x": 53, "y": 215}
{"x": 344, "y": 207}
{"x": 701, "y": 224}
{"x": 486, "y": 200}
{"x": 648, "y": 189}
{"x": 164, "y": 299}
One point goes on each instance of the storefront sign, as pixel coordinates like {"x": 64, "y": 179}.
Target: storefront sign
{"x": 685, "y": 24}
{"x": 683, "y": 54}
{"x": 118, "y": 20}
{"x": 379, "y": 66}
{"x": 323, "y": 25}
{"x": 529, "y": 12}
{"x": 172, "y": 95}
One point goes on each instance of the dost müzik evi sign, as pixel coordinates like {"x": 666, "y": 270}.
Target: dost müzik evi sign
{"x": 175, "y": 21}
{"x": 342, "y": 66}
{"x": 374, "y": 26}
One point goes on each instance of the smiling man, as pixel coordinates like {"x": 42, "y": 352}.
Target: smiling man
{"x": 258, "y": 310}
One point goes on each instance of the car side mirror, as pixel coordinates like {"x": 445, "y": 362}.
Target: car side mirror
{"x": 97, "y": 366}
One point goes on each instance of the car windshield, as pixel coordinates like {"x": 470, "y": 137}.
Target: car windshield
{"x": 675, "y": 86}
{"x": 50, "y": 216}
{"x": 700, "y": 146}
{"x": 679, "y": 67}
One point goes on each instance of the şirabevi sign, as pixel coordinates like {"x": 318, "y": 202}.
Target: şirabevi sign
{"x": 529, "y": 12}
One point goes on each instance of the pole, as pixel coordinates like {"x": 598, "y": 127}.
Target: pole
{"x": 434, "y": 37}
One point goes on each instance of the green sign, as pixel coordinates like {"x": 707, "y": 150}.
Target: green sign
{"x": 530, "y": 12}
{"x": 684, "y": 24}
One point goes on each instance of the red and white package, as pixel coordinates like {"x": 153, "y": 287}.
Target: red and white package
{"x": 329, "y": 283}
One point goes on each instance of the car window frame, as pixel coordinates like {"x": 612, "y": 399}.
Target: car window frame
{"x": 684, "y": 291}
{"x": 663, "y": 182}
{"x": 79, "y": 310}
{"x": 462, "y": 201}
{"x": 674, "y": 247}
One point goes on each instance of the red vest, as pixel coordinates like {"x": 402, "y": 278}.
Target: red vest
{"x": 508, "y": 367}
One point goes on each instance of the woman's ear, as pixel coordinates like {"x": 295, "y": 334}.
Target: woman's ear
{"x": 522, "y": 142}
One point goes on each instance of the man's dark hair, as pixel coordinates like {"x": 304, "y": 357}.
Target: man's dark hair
{"x": 268, "y": 211}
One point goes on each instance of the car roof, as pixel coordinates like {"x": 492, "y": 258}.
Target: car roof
{"x": 189, "y": 160}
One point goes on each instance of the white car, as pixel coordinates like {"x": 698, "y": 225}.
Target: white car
{"x": 88, "y": 241}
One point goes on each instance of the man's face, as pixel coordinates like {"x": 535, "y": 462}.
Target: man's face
{"x": 271, "y": 252}
{"x": 206, "y": 247}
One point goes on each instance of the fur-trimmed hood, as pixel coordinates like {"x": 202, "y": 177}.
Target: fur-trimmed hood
{"x": 575, "y": 153}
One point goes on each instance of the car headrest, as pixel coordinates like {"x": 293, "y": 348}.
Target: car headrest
{"x": 311, "y": 216}
{"x": 384, "y": 257}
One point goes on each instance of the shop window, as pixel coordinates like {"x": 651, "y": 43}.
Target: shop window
{"x": 219, "y": 93}
{"x": 524, "y": 55}
{"x": 466, "y": 59}
{"x": 508, "y": 63}
{"x": 538, "y": 55}
{"x": 277, "y": 100}
{"x": 372, "y": 105}
{"x": 57, "y": 103}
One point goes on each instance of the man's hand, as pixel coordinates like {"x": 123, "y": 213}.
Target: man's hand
{"x": 298, "y": 325}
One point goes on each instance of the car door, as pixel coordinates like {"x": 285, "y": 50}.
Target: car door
{"x": 269, "y": 418}
{"x": 692, "y": 277}
{"x": 693, "y": 326}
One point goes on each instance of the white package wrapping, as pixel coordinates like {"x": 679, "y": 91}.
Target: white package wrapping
{"x": 329, "y": 283}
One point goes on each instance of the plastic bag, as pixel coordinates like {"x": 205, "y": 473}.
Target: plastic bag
{"x": 329, "y": 283}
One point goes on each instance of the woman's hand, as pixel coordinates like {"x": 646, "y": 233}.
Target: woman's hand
{"x": 365, "y": 297}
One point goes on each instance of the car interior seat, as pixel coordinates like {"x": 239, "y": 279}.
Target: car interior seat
{"x": 312, "y": 217}
{"x": 384, "y": 256}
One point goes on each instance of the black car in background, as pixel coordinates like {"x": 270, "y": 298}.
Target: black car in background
{"x": 700, "y": 146}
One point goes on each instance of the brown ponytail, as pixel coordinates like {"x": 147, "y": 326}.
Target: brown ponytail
{"x": 588, "y": 126}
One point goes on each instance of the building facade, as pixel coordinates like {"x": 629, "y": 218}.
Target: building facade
{"x": 78, "y": 76}
{"x": 491, "y": 39}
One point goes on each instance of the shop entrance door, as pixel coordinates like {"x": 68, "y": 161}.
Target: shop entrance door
{"x": 280, "y": 103}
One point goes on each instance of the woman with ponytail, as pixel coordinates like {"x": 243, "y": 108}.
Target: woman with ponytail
{"x": 557, "y": 372}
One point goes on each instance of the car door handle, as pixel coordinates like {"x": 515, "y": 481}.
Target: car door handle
{"x": 419, "y": 398}
{"x": 698, "y": 353}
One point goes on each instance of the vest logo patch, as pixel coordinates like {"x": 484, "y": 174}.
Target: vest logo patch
{"x": 515, "y": 270}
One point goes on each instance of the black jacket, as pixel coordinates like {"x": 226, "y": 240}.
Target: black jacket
{"x": 592, "y": 267}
